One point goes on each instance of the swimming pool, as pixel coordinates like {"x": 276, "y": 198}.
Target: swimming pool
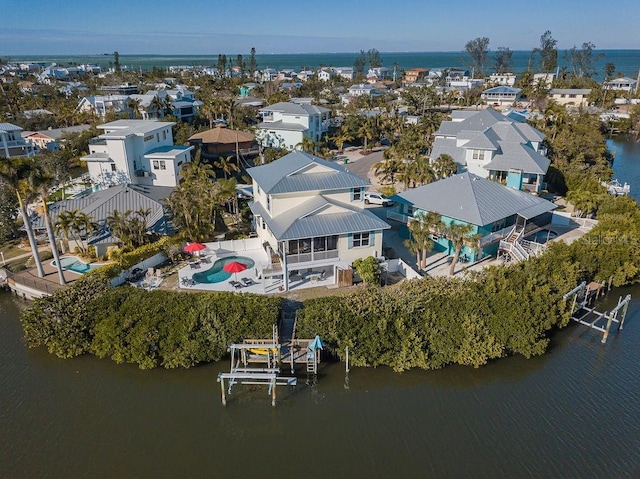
{"x": 75, "y": 264}
{"x": 216, "y": 273}
{"x": 542, "y": 236}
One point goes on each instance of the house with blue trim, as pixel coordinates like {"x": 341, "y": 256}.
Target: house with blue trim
{"x": 310, "y": 215}
{"x": 495, "y": 211}
{"x": 501, "y": 95}
{"x": 491, "y": 145}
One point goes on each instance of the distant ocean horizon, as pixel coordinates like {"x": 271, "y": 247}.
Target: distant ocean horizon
{"x": 626, "y": 62}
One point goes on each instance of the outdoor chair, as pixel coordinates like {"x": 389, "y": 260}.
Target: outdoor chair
{"x": 236, "y": 284}
{"x": 194, "y": 264}
{"x": 247, "y": 281}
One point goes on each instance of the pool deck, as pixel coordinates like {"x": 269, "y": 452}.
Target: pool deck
{"x": 258, "y": 285}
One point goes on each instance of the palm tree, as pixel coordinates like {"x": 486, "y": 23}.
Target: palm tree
{"x": 458, "y": 235}
{"x": 388, "y": 169}
{"x": 157, "y": 105}
{"x": 444, "y": 166}
{"x": 307, "y": 144}
{"x": 134, "y": 104}
{"x": 367, "y": 131}
{"x": 227, "y": 165}
{"x": 419, "y": 171}
{"x": 341, "y": 137}
{"x": 421, "y": 228}
{"x": 40, "y": 181}
{"x": 76, "y": 225}
{"x": 14, "y": 172}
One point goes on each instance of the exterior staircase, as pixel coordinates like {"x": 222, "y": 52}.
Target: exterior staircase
{"x": 512, "y": 246}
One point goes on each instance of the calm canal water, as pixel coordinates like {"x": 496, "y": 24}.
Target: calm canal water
{"x": 573, "y": 413}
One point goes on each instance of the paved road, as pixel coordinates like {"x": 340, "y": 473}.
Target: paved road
{"x": 361, "y": 165}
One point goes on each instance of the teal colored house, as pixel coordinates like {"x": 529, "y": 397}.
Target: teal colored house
{"x": 495, "y": 211}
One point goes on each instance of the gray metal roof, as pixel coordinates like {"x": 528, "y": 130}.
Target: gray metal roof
{"x": 103, "y": 203}
{"x": 9, "y": 127}
{"x": 447, "y": 146}
{"x": 487, "y": 141}
{"x": 479, "y": 122}
{"x": 474, "y": 200}
{"x": 290, "y": 108}
{"x": 281, "y": 125}
{"x": 519, "y": 157}
{"x": 311, "y": 219}
{"x": 299, "y": 171}
{"x": 99, "y": 157}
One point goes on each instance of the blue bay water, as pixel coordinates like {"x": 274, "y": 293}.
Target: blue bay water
{"x": 627, "y": 62}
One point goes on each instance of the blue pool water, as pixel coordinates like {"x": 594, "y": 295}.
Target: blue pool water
{"x": 216, "y": 273}
{"x": 75, "y": 264}
{"x": 542, "y": 236}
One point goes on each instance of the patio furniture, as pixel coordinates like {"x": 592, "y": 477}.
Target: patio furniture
{"x": 313, "y": 276}
{"x": 194, "y": 264}
{"x": 205, "y": 259}
{"x": 187, "y": 282}
{"x": 236, "y": 284}
{"x": 248, "y": 281}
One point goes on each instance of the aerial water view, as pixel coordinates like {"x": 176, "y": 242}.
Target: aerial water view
{"x": 321, "y": 240}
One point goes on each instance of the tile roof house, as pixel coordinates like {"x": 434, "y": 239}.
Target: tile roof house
{"x": 491, "y": 145}
{"x": 493, "y": 210}
{"x": 286, "y": 124}
{"x": 310, "y": 214}
{"x": 223, "y": 141}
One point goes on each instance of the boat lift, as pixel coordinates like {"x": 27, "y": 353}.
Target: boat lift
{"x": 582, "y": 295}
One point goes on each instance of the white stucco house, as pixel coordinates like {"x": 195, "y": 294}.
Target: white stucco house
{"x": 325, "y": 74}
{"x": 570, "y": 96}
{"x": 138, "y": 152}
{"x": 622, "y": 84}
{"x": 285, "y": 124}
{"x": 503, "y": 79}
{"x": 309, "y": 214}
{"x": 345, "y": 72}
{"x": 491, "y": 145}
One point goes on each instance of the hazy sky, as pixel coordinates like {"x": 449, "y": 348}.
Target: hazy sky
{"x": 284, "y": 26}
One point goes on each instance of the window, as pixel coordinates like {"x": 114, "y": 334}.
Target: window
{"x": 477, "y": 154}
{"x": 356, "y": 194}
{"x": 148, "y": 138}
{"x": 156, "y": 165}
{"x": 360, "y": 239}
{"x": 258, "y": 188}
{"x": 164, "y": 134}
{"x": 269, "y": 203}
{"x": 163, "y": 165}
{"x": 113, "y": 167}
{"x": 158, "y": 137}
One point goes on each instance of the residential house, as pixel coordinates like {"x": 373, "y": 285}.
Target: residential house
{"x": 362, "y": 90}
{"x": 100, "y": 105}
{"x": 123, "y": 89}
{"x": 501, "y": 95}
{"x": 223, "y": 141}
{"x": 491, "y": 145}
{"x": 286, "y": 124}
{"x": 377, "y": 74}
{"x": 139, "y": 152}
{"x": 309, "y": 214}
{"x": 545, "y": 79}
{"x": 50, "y": 139}
{"x": 345, "y": 72}
{"x": 415, "y": 75}
{"x": 494, "y": 211}
{"x": 325, "y": 74}
{"x": 570, "y": 96}
{"x": 12, "y": 145}
{"x": 503, "y": 79}
{"x": 101, "y": 204}
{"x": 622, "y": 84}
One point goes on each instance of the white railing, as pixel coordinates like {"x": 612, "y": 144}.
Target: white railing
{"x": 402, "y": 218}
{"x": 497, "y": 235}
{"x": 399, "y": 266}
{"x": 534, "y": 248}
{"x": 309, "y": 257}
{"x": 514, "y": 249}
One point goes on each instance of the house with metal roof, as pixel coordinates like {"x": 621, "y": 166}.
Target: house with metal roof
{"x": 495, "y": 211}
{"x": 136, "y": 152}
{"x": 310, "y": 215}
{"x": 570, "y": 96}
{"x": 285, "y": 124}
{"x": 627, "y": 84}
{"x": 102, "y": 204}
{"x": 491, "y": 145}
{"x": 12, "y": 144}
{"x": 501, "y": 95}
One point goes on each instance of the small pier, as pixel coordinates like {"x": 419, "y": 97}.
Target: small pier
{"x": 260, "y": 362}
{"x": 583, "y": 295}
{"x": 614, "y": 188}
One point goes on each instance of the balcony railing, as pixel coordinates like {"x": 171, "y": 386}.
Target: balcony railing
{"x": 310, "y": 257}
{"x": 496, "y": 236}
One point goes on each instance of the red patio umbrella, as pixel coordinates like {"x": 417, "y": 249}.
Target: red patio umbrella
{"x": 194, "y": 247}
{"x": 234, "y": 267}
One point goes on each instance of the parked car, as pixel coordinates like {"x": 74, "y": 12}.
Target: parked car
{"x": 371, "y": 197}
